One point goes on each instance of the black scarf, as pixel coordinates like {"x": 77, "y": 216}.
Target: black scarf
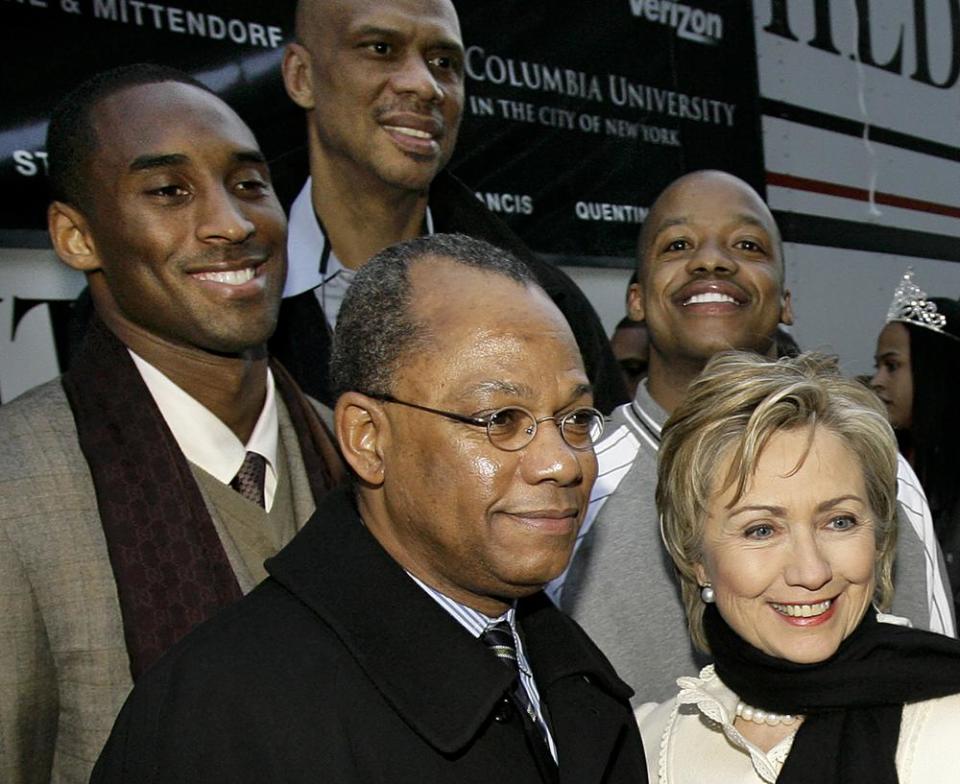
{"x": 852, "y": 701}
{"x": 170, "y": 567}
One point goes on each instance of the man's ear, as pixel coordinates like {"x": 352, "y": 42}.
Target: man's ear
{"x": 786, "y": 309}
{"x": 71, "y": 237}
{"x": 635, "y": 309}
{"x": 298, "y": 75}
{"x": 361, "y": 427}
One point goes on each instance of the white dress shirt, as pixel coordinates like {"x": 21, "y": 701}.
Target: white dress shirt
{"x": 204, "y": 439}
{"x": 310, "y": 265}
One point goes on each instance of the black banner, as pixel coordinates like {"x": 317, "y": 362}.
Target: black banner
{"x": 578, "y": 113}
{"x": 50, "y": 46}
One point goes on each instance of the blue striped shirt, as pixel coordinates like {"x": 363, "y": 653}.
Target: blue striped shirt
{"x": 475, "y": 622}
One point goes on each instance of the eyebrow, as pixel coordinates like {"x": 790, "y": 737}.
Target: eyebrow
{"x": 581, "y": 390}
{"x": 777, "y": 511}
{"x": 504, "y": 387}
{"x": 683, "y": 220}
{"x": 365, "y": 31}
{"x": 780, "y": 511}
{"x": 369, "y": 29}
{"x": 147, "y": 162}
{"x": 752, "y": 220}
{"x": 249, "y": 156}
{"x": 520, "y": 390}
{"x": 830, "y": 503}
{"x": 163, "y": 160}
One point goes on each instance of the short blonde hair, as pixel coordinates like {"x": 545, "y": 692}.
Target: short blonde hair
{"x": 733, "y": 408}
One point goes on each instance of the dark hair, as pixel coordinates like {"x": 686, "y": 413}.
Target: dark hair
{"x": 71, "y": 139}
{"x": 935, "y": 429}
{"x": 375, "y": 329}
{"x": 786, "y": 345}
{"x": 628, "y": 323}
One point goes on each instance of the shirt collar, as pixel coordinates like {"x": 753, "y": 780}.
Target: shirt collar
{"x": 472, "y": 620}
{"x": 306, "y": 243}
{"x": 648, "y": 410}
{"x": 476, "y": 623}
{"x": 204, "y": 439}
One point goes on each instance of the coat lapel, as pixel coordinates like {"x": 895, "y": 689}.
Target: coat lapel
{"x": 439, "y": 679}
{"x": 585, "y": 697}
{"x": 304, "y": 503}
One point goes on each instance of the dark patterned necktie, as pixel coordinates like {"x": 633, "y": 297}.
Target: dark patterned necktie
{"x": 499, "y": 638}
{"x": 250, "y": 478}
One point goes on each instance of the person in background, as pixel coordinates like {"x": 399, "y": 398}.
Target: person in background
{"x": 917, "y": 359}
{"x": 785, "y": 343}
{"x": 381, "y": 86}
{"x": 777, "y": 487}
{"x": 141, "y": 492}
{"x": 631, "y": 347}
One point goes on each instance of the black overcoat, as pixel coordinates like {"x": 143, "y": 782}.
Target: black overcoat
{"x": 339, "y": 668}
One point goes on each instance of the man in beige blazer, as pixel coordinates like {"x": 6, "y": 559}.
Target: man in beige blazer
{"x": 142, "y": 490}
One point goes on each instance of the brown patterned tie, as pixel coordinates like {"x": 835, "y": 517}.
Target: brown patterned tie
{"x": 250, "y": 478}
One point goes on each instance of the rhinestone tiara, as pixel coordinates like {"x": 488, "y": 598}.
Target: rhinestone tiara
{"x": 910, "y": 304}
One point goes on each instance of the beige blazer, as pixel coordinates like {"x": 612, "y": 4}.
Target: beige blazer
{"x": 64, "y": 672}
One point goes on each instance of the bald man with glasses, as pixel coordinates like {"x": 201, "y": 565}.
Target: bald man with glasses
{"x": 403, "y": 635}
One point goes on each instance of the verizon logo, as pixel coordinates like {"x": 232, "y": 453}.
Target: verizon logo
{"x": 691, "y": 24}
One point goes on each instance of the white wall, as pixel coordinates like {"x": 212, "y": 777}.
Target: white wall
{"x": 606, "y": 289}
{"x": 27, "y": 356}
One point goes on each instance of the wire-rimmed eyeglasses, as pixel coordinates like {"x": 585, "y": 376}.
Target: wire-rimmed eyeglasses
{"x": 511, "y": 428}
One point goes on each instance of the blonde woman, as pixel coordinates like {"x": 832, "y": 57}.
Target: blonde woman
{"x": 777, "y": 493}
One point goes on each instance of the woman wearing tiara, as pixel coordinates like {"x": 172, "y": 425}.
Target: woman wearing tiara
{"x": 777, "y": 493}
{"x": 918, "y": 370}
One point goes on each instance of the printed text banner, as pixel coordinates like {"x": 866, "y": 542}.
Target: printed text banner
{"x": 577, "y": 114}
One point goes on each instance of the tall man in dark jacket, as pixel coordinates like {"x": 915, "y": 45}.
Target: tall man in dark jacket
{"x": 381, "y": 82}
{"x": 402, "y": 635}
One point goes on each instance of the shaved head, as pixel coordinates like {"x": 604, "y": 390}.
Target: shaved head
{"x": 657, "y": 219}
{"x": 710, "y": 276}
{"x": 311, "y": 17}
{"x": 381, "y": 82}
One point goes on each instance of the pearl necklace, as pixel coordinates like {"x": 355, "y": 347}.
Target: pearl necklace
{"x": 760, "y": 716}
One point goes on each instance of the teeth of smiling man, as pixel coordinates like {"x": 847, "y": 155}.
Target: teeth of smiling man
{"x": 710, "y": 296}
{"x": 409, "y": 131}
{"x": 230, "y": 277}
{"x": 802, "y": 610}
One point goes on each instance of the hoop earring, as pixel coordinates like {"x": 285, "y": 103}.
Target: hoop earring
{"x": 707, "y": 594}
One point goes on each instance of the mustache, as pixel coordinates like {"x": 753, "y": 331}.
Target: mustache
{"x": 411, "y": 106}
{"x": 249, "y": 251}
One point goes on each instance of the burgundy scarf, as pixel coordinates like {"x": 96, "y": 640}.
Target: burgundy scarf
{"x": 170, "y": 567}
